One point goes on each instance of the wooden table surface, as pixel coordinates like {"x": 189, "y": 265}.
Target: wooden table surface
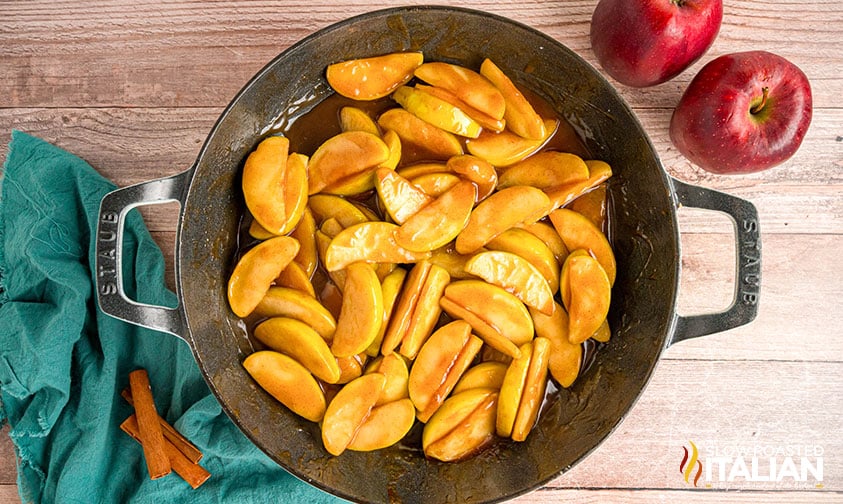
{"x": 133, "y": 87}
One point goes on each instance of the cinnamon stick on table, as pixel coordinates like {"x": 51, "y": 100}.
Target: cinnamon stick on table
{"x": 149, "y": 428}
{"x": 192, "y": 473}
{"x": 171, "y": 434}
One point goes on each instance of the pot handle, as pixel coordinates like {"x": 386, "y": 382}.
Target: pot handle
{"x": 744, "y": 306}
{"x": 111, "y": 296}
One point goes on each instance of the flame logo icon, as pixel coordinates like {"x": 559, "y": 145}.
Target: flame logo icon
{"x": 689, "y": 461}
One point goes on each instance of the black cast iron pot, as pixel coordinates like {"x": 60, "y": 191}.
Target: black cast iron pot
{"x": 644, "y": 234}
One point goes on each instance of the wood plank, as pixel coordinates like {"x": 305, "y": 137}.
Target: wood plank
{"x": 9, "y": 494}
{"x": 797, "y": 319}
{"x": 647, "y": 496}
{"x": 726, "y": 408}
{"x": 134, "y": 145}
{"x": 8, "y": 464}
{"x": 175, "y": 54}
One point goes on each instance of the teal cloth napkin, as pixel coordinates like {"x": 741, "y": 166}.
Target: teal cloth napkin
{"x": 63, "y": 362}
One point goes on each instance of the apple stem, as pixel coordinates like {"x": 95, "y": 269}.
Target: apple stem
{"x": 760, "y": 106}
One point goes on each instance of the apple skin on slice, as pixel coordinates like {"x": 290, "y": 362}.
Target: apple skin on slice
{"x": 466, "y": 84}
{"x": 578, "y": 232}
{"x": 345, "y": 155}
{"x": 372, "y": 242}
{"x": 514, "y": 274}
{"x": 520, "y": 116}
{"x": 373, "y": 77}
{"x": 440, "y": 221}
{"x": 502, "y": 210}
{"x": 256, "y": 270}
{"x": 436, "y": 111}
{"x": 287, "y": 381}
{"x": 348, "y": 410}
{"x": 361, "y": 315}
{"x": 463, "y": 425}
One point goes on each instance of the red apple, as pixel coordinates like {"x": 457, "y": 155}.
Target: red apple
{"x": 742, "y": 113}
{"x": 646, "y": 42}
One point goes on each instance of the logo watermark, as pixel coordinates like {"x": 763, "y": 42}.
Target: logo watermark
{"x": 710, "y": 464}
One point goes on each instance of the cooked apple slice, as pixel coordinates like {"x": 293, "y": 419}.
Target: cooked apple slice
{"x": 521, "y": 118}
{"x": 353, "y": 185}
{"x": 397, "y": 374}
{"x": 265, "y": 186}
{"x": 451, "y": 261}
{"x": 593, "y": 205}
{"x": 356, "y": 119}
{"x": 391, "y": 287}
{"x": 417, "y": 310}
{"x": 463, "y": 425}
{"x": 348, "y": 410}
{"x": 598, "y": 172}
{"x": 440, "y": 221}
{"x": 258, "y": 232}
{"x": 285, "y": 302}
{"x": 502, "y": 210}
{"x": 545, "y": 170}
{"x": 301, "y": 342}
{"x": 440, "y": 363}
{"x": 565, "y": 357}
{"x": 393, "y": 141}
{"x": 351, "y": 368}
{"x": 288, "y": 382}
{"x": 521, "y": 242}
{"x": 515, "y": 275}
{"x": 532, "y": 396}
{"x": 590, "y": 296}
{"x": 497, "y": 316}
{"x": 506, "y": 148}
{"x": 386, "y": 425}
{"x": 577, "y": 232}
{"x": 373, "y": 77}
{"x": 295, "y": 190}
{"x": 399, "y": 196}
{"x": 323, "y": 238}
{"x": 304, "y": 233}
{"x": 564, "y": 281}
{"x": 372, "y": 242}
{"x": 345, "y": 155}
{"x": 468, "y": 85}
{"x": 424, "y": 139}
{"x": 512, "y": 388}
{"x": 481, "y": 172}
{"x": 603, "y": 333}
{"x": 488, "y": 375}
{"x": 256, "y": 270}
{"x": 295, "y": 277}
{"x": 436, "y": 111}
{"x": 548, "y": 235}
{"x": 327, "y": 206}
{"x": 362, "y": 311}
{"x": 416, "y": 170}
{"x": 435, "y": 184}
{"x": 487, "y": 122}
